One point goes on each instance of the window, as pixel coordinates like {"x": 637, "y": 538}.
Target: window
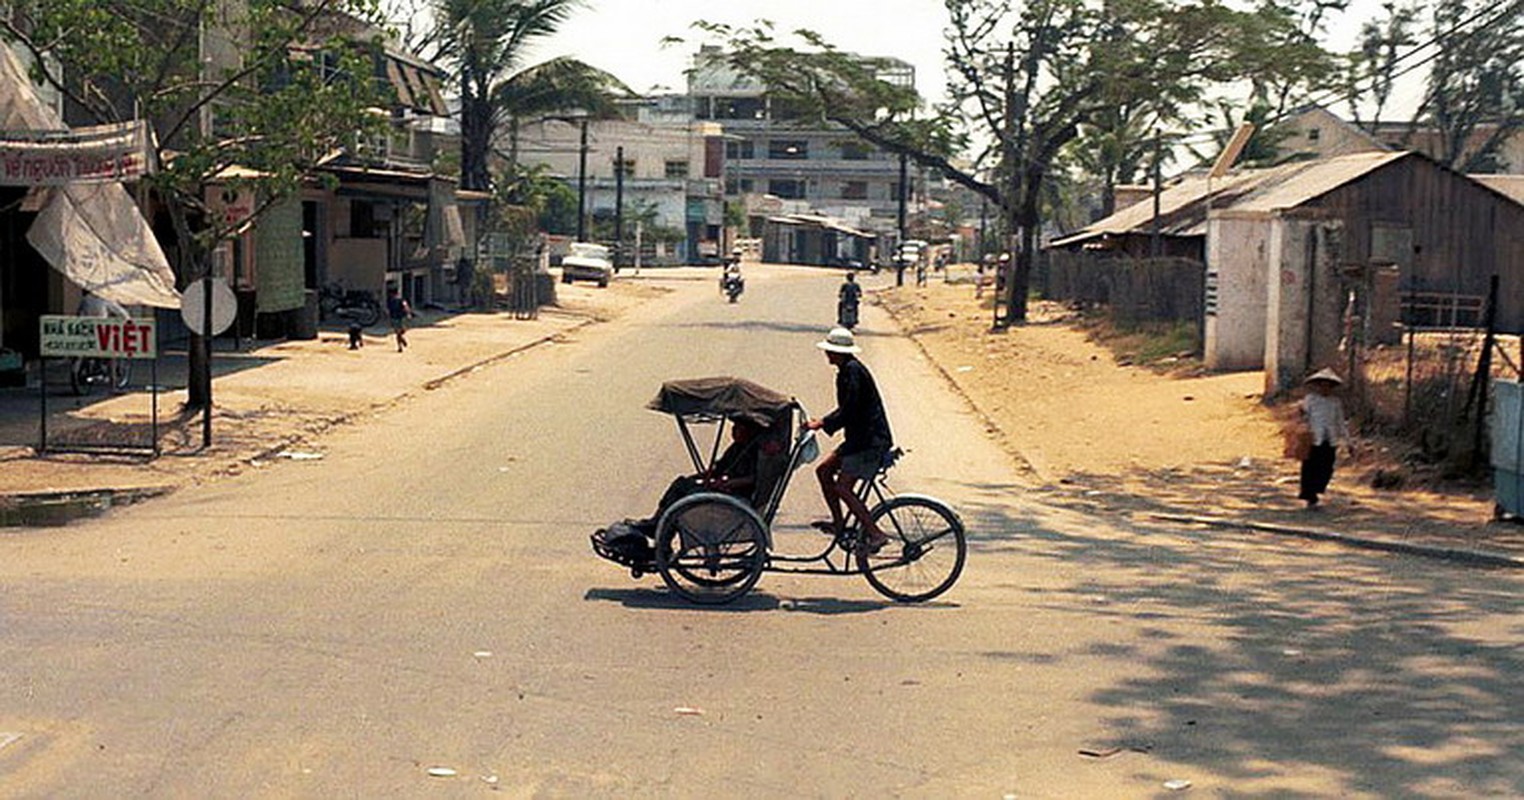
{"x": 787, "y": 188}
{"x": 854, "y": 190}
{"x": 740, "y": 150}
{"x": 362, "y": 219}
{"x": 788, "y": 149}
{"x": 854, "y": 151}
{"x": 676, "y": 169}
{"x": 629, "y": 167}
{"x": 1313, "y": 134}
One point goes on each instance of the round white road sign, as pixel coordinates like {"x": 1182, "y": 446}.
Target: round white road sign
{"x": 193, "y": 307}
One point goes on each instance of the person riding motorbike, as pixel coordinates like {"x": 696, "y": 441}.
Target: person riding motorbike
{"x": 731, "y": 283}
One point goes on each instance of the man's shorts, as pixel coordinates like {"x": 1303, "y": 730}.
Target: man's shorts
{"x": 864, "y": 463}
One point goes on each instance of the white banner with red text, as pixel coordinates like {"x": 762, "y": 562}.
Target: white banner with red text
{"x": 98, "y": 337}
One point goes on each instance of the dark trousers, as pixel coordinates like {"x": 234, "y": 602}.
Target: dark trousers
{"x": 1317, "y": 470}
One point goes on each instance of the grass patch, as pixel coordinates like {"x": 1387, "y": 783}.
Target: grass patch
{"x": 1169, "y": 345}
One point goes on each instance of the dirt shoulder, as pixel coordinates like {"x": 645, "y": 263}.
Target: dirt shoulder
{"x": 1101, "y": 435}
{"x": 273, "y": 399}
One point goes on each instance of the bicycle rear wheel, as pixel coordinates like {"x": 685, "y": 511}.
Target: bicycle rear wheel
{"x": 926, "y": 550}
{"x": 120, "y": 371}
{"x": 710, "y": 548}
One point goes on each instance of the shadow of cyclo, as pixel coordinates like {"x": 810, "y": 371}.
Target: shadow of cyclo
{"x": 657, "y": 598}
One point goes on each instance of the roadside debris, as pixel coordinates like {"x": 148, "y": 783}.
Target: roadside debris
{"x": 688, "y": 711}
{"x": 298, "y": 455}
{"x": 1177, "y": 785}
{"x": 441, "y": 772}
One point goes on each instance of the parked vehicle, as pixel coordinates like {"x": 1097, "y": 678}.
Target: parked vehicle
{"x": 88, "y": 374}
{"x": 587, "y": 262}
{"x": 354, "y": 305}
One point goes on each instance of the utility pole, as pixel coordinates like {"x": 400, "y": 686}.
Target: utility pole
{"x": 1156, "y": 241}
{"x": 1005, "y": 296}
{"x": 582, "y": 185}
{"x": 618, "y": 205}
{"x": 899, "y": 262}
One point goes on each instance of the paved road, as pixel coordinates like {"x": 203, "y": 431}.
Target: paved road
{"x": 423, "y": 596}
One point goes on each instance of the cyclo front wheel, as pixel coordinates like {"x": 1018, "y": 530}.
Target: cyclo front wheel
{"x": 926, "y": 550}
{"x": 710, "y": 548}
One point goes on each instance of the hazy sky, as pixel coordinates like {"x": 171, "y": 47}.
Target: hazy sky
{"x": 624, "y": 36}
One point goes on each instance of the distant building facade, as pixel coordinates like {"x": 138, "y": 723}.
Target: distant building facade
{"x": 768, "y": 152}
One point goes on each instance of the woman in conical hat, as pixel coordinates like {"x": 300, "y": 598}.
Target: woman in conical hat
{"x": 1323, "y": 414}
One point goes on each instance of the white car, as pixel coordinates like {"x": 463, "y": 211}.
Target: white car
{"x": 587, "y": 262}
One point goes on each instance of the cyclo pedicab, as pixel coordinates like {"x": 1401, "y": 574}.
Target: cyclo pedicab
{"x": 711, "y": 547}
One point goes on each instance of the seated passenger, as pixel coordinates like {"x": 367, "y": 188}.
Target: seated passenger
{"x": 749, "y": 466}
{"x": 733, "y": 473}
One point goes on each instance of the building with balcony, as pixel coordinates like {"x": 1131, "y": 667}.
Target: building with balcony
{"x": 662, "y": 171}
{"x": 771, "y": 151}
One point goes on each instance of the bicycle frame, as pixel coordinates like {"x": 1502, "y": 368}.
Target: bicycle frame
{"x": 876, "y": 489}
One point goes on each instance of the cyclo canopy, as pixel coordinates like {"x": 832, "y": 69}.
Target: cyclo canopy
{"x": 708, "y": 399}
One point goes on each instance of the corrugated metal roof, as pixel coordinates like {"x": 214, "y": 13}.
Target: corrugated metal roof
{"x": 1510, "y": 185}
{"x": 1314, "y": 179}
{"x": 1183, "y": 206}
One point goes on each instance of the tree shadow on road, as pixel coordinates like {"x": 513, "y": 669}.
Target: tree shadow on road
{"x": 1269, "y": 662}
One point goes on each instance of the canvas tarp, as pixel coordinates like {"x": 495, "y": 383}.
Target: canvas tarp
{"x": 92, "y": 232}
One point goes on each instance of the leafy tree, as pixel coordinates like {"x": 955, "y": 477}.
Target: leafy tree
{"x": 484, "y": 42}
{"x": 1476, "y": 80}
{"x": 1279, "y": 58}
{"x": 1372, "y": 70}
{"x": 266, "y": 85}
{"x": 552, "y": 203}
{"x": 1027, "y": 79}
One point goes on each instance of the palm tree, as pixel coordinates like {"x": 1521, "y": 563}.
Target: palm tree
{"x": 485, "y": 41}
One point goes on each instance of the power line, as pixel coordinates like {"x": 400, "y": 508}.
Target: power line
{"x": 1438, "y": 39}
{"x": 1335, "y": 96}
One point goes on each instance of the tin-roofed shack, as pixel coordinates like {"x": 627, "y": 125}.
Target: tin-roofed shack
{"x": 812, "y": 239}
{"x": 1285, "y": 249}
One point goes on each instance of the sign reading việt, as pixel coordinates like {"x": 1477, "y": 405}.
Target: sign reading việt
{"x": 98, "y": 337}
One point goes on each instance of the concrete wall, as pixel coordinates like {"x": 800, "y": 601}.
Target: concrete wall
{"x": 1238, "y": 269}
{"x": 358, "y": 264}
{"x": 1304, "y": 309}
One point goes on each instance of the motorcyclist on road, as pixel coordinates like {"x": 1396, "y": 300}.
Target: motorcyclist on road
{"x": 731, "y": 282}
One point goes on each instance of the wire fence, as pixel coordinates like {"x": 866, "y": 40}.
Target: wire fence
{"x": 1433, "y": 386}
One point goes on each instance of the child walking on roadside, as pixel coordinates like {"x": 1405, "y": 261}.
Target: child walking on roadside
{"x": 398, "y": 310}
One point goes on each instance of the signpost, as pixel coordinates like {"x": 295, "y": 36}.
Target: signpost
{"x": 100, "y": 337}
{"x": 208, "y": 308}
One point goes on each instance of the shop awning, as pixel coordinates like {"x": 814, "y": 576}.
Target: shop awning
{"x": 91, "y": 232}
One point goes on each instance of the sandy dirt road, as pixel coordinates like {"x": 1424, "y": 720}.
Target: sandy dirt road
{"x": 423, "y": 596}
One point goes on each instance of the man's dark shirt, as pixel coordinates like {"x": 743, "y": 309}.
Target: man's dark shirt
{"x": 859, "y": 410}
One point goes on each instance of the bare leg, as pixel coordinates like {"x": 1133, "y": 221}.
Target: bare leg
{"x": 826, "y": 473}
{"x": 843, "y": 488}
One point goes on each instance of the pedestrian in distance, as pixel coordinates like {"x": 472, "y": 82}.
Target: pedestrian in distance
{"x": 866, "y": 439}
{"x": 1325, "y": 428}
{"x": 847, "y": 299}
{"x": 399, "y": 310}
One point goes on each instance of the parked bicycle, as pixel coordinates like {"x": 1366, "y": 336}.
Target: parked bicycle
{"x": 354, "y": 305}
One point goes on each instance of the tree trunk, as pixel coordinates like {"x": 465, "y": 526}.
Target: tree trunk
{"x": 193, "y": 265}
